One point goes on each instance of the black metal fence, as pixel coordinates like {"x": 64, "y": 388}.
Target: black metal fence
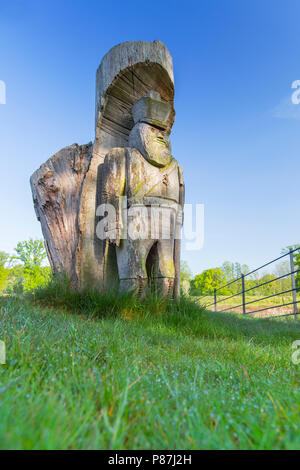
{"x": 242, "y": 293}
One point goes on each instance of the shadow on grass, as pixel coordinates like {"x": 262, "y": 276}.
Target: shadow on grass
{"x": 261, "y": 330}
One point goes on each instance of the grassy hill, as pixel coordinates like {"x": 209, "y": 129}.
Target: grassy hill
{"x": 91, "y": 372}
{"x": 256, "y": 304}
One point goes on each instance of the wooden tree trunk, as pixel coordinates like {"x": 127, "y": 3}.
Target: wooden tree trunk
{"x": 56, "y": 188}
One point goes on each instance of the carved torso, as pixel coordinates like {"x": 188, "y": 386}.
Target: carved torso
{"x": 148, "y": 184}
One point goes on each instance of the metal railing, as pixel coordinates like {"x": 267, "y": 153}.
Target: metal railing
{"x": 242, "y": 293}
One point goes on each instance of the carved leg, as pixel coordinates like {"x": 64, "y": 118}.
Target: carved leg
{"x": 131, "y": 259}
{"x": 133, "y": 285}
{"x": 165, "y": 286}
{"x": 166, "y": 270}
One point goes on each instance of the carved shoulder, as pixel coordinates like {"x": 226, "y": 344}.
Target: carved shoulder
{"x": 115, "y": 156}
{"x": 113, "y": 174}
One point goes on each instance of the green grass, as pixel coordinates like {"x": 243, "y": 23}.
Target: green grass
{"x": 276, "y": 300}
{"x": 91, "y": 372}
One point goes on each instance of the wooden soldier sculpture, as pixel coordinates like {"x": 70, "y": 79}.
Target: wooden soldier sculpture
{"x": 128, "y": 168}
{"x": 143, "y": 184}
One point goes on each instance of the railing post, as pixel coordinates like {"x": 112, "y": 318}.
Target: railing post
{"x": 243, "y": 293}
{"x": 293, "y": 282}
{"x": 215, "y": 294}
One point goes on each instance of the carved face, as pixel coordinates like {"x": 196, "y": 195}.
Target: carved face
{"x": 154, "y": 144}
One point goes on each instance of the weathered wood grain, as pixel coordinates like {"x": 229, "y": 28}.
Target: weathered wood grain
{"x": 56, "y": 188}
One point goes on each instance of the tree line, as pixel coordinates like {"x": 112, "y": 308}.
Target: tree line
{"x": 217, "y": 278}
{"x": 25, "y": 270}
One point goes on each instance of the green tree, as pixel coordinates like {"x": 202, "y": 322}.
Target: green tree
{"x": 32, "y": 254}
{"x": 282, "y": 269}
{"x": 267, "y": 289}
{"x": 240, "y": 269}
{"x": 233, "y": 271}
{"x": 4, "y": 272}
{"x": 297, "y": 266}
{"x": 228, "y": 270}
{"x": 206, "y": 282}
{"x": 15, "y": 280}
{"x": 185, "y": 277}
{"x": 185, "y": 272}
{"x": 296, "y": 256}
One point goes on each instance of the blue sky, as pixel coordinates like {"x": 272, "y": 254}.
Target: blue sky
{"x": 236, "y": 132}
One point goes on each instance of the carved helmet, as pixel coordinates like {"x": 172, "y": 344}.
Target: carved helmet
{"x": 152, "y": 110}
